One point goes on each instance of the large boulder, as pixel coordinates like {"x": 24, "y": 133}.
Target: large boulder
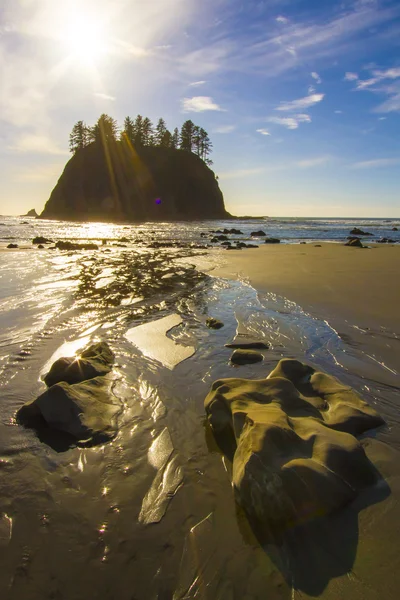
{"x": 93, "y": 362}
{"x": 87, "y": 411}
{"x": 355, "y": 243}
{"x": 292, "y": 441}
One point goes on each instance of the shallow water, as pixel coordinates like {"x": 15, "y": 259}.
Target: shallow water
{"x": 151, "y": 514}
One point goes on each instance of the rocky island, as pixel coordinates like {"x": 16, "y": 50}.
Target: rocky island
{"x": 131, "y": 179}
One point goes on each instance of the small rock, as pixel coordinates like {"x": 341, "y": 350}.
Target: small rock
{"x": 12, "y": 246}
{"x": 394, "y": 229}
{"x": 40, "y": 246}
{"x": 246, "y": 357}
{"x": 248, "y": 345}
{"x": 272, "y": 241}
{"x": 258, "y": 233}
{"x": 355, "y": 243}
{"x": 41, "y": 240}
{"x": 317, "y": 246}
{"x": 214, "y": 323}
{"x": 95, "y": 361}
{"x": 357, "y": 231}
{"x": 67, "y": 245}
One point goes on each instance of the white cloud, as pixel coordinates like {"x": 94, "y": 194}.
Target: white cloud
{"x": 384, "y": 82}
{"x": 263, "y": 131}
{"x": 290, "y": 122}
{"x": 200, "y": 104}
{"x": 351, "y": 76}
{"x": 196, "y": 83}
{"x": 282, "y": 19}
{"x": 38, "y": 144}
{"x": 301, "y": 103}
{"x": 315, "y": 76}
{"x": 105, "y": 96}
{"x": 224, "y": 129}
{"x": 311, "y": 89}
{"x": 382, "y": 118}
{"x": 377, "y": 162}
{"x": 338, "y": 112}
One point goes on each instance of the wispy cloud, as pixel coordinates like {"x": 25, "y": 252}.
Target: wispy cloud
{"x": 313, "y": 162}
{"x": 263, "y": 131}
{"x": 338, "y": 112}
{"x": 301, "y": 103}
{"x": 196, "y": 83}
{"x": 290, "y": 122}
{"x": 315, "y": 76}
{"x": 36, "y": 144}
{"x": 350, "y": 76}
{"x": 382, "y": 82}
{"x": 200, "y": 104}
{"x": 104, "y": 96}
{"x": 224, "y": 129}
{"x": 377, "y": 162}
{"x": 282, "y": 19}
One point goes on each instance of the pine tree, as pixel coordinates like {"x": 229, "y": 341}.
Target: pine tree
{"x": 79, "y": 137}
{"x": 129, "y": 130}
{"x": 106, "y": 129}
{"x": 187, "y": 134}
{"x": 161, "y": 129}
{"x": 148, "y": 133}
{"x": 205, "y": 146}
{"x": 175, "y": 138}
{"x": 138, "y": 131}
{"x": 166, "y": 141}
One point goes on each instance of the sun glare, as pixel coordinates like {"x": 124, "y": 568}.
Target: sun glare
{"x": 85, "y": 40}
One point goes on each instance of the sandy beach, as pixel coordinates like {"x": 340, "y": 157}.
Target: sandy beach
{"x": 357, "y": 290}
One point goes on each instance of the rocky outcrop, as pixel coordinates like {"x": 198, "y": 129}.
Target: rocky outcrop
{"x": 355, "y": 243}
{"x": 31, "y": 213}
{"x": 357, "y": 231}
{"x": 119, "y": 183}
{"x": 292, "y": 440}
{"x": 80, "y": 399}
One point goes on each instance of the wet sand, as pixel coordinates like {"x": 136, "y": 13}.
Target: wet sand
{"x": 356, "y": 290}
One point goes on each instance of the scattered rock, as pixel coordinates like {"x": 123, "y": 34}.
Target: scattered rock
{"x": 357, "y": 231}
{"x": 258, "y": 233}
{"x": 243, "y": 356}
{"x": 303, "y": 242}
{"x": 272, "y": 241}
{"x": 355, "y": 243}
{"x": 95, "y": 361}
{"x": 291, "y": 440}
{"x": 394, "y": 229}
{"x": 86, "y": 411}
{"x": 66, "y": 245}
{"x": 385, "y": 241}
{"x": 41, "y": 240}
{"x": 12, "y": 246}
{"x": 248, "y": 345}
{"x": 233, "y": 247}
{"x": 317, "y": 246}
{"x": 40, "y": 246}
{"x": 214, "y": 323}
{"x": 124, "y": 240}
{"x": 226, "y": 243}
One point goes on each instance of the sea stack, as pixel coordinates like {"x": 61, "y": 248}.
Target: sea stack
{"x": 117, "y": 182}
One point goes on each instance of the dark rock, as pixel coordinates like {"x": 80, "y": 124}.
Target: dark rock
{"x": 385, "y": 241}
{"x": 31, "y": 213}
{"x": 66, "y": 245}
{"x": 355, "y": 243}
{"x": 258, "y": 233}
{"x": 226, "y": 243}
{"x": 97, "y": 360}
{"x": 357, "y": 231}
{"x": 394, "y": 229}
{"x": 291, "y": 440}
{"x": 214, "y": 323}
{"x": 105, "y": 184}
{"x": 40, "y": 246}
{"x": 221, "y": 238}
{"x": 243, "y": 356}
{"x": 248, "y": 345}
{"x": 233, "y": 247}
{"x": 272, "y": 241}
{"x": 303, "y": 242}
{"x": 317, "y": 246}
{"x": 41, "y": 240}
{"x": 86, "y": 411}
{"x": 124, "y": 240}
{"x": 251, "y": 246}
{"x": 12, "y": 246}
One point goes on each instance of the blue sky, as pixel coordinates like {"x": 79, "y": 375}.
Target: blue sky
{"x": 301, "y": 98}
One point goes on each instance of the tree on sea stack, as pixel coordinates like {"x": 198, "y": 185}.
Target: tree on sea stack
{"x": 188, "y": 132}
{"x": 106, "y": 129}
{"x": 129, "y": 130}
{"x": 79, "y": 137}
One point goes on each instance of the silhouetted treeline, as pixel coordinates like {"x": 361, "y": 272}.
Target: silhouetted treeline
{"x": 141, "y": 132}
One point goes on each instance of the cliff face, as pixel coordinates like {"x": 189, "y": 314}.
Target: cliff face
{"x": 116, "y": 182}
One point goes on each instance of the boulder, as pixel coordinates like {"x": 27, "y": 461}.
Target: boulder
{"x": 355, "y": 243}
{"x": 12, "y": 246}
{"x": 214, "y": 323}
{"x": 258, "y": 233}
{"x": 93, "y": 362}
{"x": 292, "y": 441}
{"x": 87, "y": 411}
{"x": 41, "y": 240}
{"x": 243, "y": 356}
{"x": 385, "y": 241}
{"x": 272, "y": 241}
{"x": 395, "y": 229}
{"x": 357, "y": 231}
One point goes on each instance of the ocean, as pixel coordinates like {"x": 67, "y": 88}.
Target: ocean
{"x": 107, "y": 521}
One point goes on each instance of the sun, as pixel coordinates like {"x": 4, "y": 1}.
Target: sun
{"x": 85, "y": 40}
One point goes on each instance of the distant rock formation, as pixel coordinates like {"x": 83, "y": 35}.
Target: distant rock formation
{"x": 117, "y": 182}
{"x": 31, "y": 213}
